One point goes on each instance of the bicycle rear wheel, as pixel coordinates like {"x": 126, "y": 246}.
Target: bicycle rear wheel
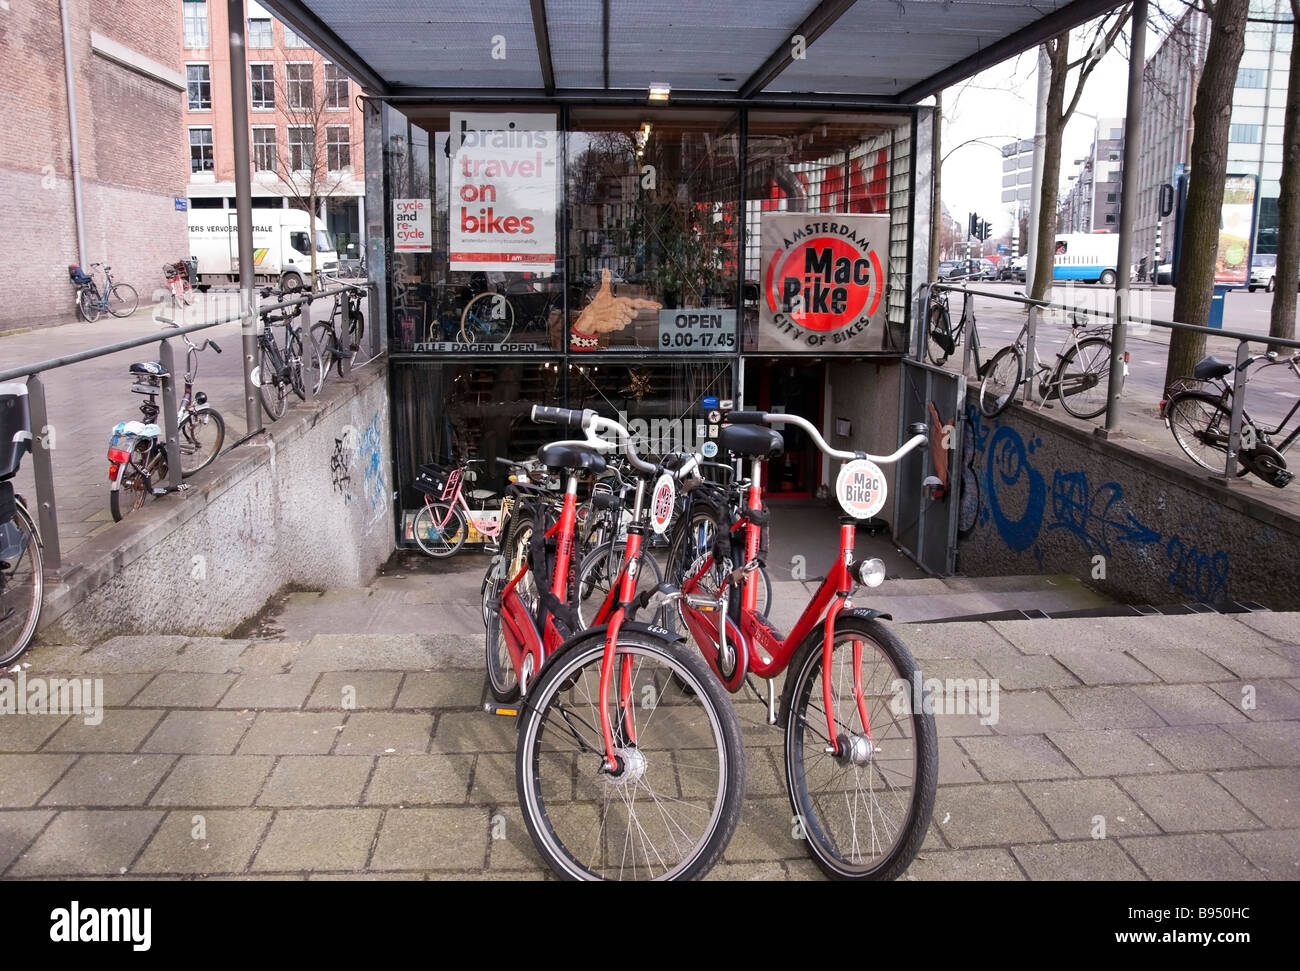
{"x": 1082, "y": 379}
{"x": 670, "y": 807}
{"x": 323, "y": 334}
{"x": 439, "y": 529}
{"x": 147, "y": 462}
{"x": 1201, "y": 423}
{"x": 864, "y": 812}
{"x": 122, "y": 300}
{"x": 513, "y": 557}
{"x": 940, "y": 343}
{"x": 88, "y": 306}
{"x": 202, "y": 433}
{"x": 487, "y": 319}
{"x": 599, "y": 569}
{"x": 272, "y": 386}
{"x": 22, "y": 585}
{"x": 1001, "y": 379}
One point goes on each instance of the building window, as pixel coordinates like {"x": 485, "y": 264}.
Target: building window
{"x": 336, "y": 87}
{"x": 292, "y": 39}
{"x": 1250, "y": 77}
{"x": 200, "y": 150}
{"x": 299, "y": 88}
{"x": 302, "y": 148}
{"x": 261, "y": 88}
{"x": 198, "y": 87}
{"x": 195, "y": 18}
{"x": 1245, "y": 134}
{"x": 259, "y": 32}
{"x": 1110, "y": 218}
{"x": 1112, "y": 196}
{"x": 264, "y": 151}
{"x": 338, "y": 147}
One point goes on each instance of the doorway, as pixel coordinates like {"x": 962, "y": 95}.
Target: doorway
{"x": 797, "y": 387}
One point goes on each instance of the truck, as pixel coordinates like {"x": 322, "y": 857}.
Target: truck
{"x": 281, "y": 247}
{"x": 1087, "y": 257}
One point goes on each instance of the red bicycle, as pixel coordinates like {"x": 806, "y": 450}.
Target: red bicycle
{"x": 178, "y": 283}
{"x": 861, "y": 751}
{"x": 630, "y": 763}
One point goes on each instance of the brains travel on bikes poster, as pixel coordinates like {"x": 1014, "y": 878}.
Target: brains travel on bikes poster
{"x": 823, "y": 282}
{"x": 503, "y": 191}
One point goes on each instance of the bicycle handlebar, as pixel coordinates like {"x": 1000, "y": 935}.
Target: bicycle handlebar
{"x": 918, "y": 436}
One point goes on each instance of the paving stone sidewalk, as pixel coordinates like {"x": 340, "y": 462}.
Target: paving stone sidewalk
{"x": 345, "y": 738}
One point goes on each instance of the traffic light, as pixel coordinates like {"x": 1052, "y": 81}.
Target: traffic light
{"x": 985, "y": 231}
{"x": 973, "y": 225}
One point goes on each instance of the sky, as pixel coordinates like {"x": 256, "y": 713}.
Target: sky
{"x": 997, "y": 106}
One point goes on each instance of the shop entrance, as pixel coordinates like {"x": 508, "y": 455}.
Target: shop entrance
{"x": 798, "y": 387}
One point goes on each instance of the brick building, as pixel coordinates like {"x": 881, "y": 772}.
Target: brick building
{"x": 127, "y": 98}
{"x": 295, "y": 96}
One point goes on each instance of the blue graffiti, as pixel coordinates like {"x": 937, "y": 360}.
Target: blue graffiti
{"x": 1197, "y": 573}
{"x": 1008, "y": 462}
{"x": 1093, "y": 517}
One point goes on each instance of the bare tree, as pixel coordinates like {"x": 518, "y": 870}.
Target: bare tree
{"x": 311, "y": 170}
{"x": 1209, "y": 166}
{"x": 1103, "y": 36}
{"x": 1282, "y": 318}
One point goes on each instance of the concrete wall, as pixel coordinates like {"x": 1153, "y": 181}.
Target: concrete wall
{"x": 308, "y": 505}
{"x": 866, "y": 393}
{"x": 1144, "y": 529}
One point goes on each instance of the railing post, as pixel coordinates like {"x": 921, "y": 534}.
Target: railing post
{"x": 43, "y": 467}
{"x": 1031, "y": 336}
{"x": 969, "y": 339}
{"x": 171, "y": 429}
{"x": 1239, "y": 379}
{"x": 922, "y": 329}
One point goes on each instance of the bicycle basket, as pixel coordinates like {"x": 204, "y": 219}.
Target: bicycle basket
{"x": 77, "y": 275}
{"x": 438, "y": 480}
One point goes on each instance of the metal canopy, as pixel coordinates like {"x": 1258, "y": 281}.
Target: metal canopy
{"x": 885, "y": 51}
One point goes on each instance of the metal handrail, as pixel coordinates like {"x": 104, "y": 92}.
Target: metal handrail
{"x": 42, "y": 463}
{"x": 1240, "y": 377}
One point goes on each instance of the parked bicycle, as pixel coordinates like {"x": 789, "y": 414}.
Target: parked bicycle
{"x": 339, "y": 338}
{"x": 441, "y": 527}
{"x": 860, "y": 768}
{"x": 137, "y": 451}
{"x": 629, "y": 762}
{"x": 178, "y": 283}
{"x": 22, "y": 582}
{"x": 296, "y": 367}
{"x": 1201, "y": 420}
{"x": 118, "y": 299}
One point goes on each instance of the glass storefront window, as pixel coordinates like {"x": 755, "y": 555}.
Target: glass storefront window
{"x": 653, "y": 242}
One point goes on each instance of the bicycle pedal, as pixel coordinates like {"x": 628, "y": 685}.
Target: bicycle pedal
{"x": 503, "y": 710}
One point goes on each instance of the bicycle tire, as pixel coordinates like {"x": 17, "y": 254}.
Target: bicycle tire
{"x": 295, "y": 355}
{"x": 502, "y": 681}
{"x": 127, "y": 300}
{"x": 437, "y": 541}
{"x": 997, "y": 389}
{"x": 816, "y": 803}
{"x": 313, "y": 367}
{"x": 550, "y": 764}
{"x": 273, "y": 389}
{"x": 323, "y": 334}
{"x": 130, "y": 492}
{"x": 88, "y": 306}
{"x": 940, "y": 322}
{"x": 1200, "y": 420}
{"x": 683, "y": 553}
{"x": 22, "y": 590}
{"x": 472, "y": 330}
{"x": 1097, "y": 365}
{"x": 599, "y": 568}
{"x": 189, "y": 438}
{"x": 352, "y": 343}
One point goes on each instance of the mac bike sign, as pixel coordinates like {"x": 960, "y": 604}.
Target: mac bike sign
{"x": 823, "y": 282}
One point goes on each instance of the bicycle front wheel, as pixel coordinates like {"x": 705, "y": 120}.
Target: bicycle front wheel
{"x": 863, "y": 812}
{"x": 1082, "y": 378}
{"x": 669, "y": 808}
{"x": 313, "y": 364}
{"x": 202, "y": 433}
{"x": 272, "y": 386}
{"x": 1001, "y": 379}
{"x": 323, "y": 334}
{"x": 487, "y": 319}
{"x": 940, "y": 343}
{"x": 439, "y": 529}
{"x": 296, "y": 356}
{"x": 88, "y": 306}
{"x": 1201, "y": 423}
{"x": 22, "y": 585}
{"x": 122, "y": 300}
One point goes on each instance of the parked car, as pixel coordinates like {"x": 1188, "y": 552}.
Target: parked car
{"x": 1165, "y": 274}
{"x": 946, "y": 267}
{"x": 1013, "y": 270}
{"x": 1263, "y": 272}
{"x": 974, "y": 270}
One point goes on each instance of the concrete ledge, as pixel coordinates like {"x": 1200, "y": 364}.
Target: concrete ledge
{"x": 308, "y": 502}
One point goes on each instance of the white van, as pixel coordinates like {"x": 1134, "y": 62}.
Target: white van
{"x": 281, "y": 247}
{"x": 1087, "y": 257}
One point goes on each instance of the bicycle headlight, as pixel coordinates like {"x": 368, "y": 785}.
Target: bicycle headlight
{"x": 870, "y": 573}
{"x": 200, "y": 398}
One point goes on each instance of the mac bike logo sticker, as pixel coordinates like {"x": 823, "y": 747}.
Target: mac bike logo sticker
{"x": 860, "y": 488}
{"x": 661, "y": 503}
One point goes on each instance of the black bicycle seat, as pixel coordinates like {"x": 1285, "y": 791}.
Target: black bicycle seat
{"x": 561, "y": 456}
{"x": 751, "y": 441}
{"x": 151, "y": 368}
{"x": 1210, "y": 368}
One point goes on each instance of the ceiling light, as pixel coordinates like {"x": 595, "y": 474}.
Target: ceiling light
{"x": 659, "y": 91}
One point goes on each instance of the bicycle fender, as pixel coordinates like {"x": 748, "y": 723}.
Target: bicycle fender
{"x": 598, "y": 633}
{"x": 815, "y": 639}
